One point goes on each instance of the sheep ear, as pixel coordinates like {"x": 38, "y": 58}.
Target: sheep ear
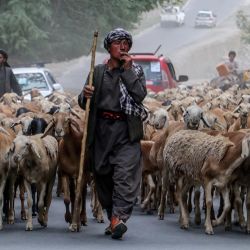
{"x": 245, "y": 147}
{"x": 183, "y": 109}
{"x": 236, "y": 110}
{"x": 241, "y": 100}
{"x": 168, "y": 107}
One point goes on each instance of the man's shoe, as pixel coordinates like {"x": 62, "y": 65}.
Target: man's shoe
{"x": 108, "y": 230}
{"x": 118, "y": 228}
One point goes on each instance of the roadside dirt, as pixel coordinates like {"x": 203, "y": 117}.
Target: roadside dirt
{"x": 199, "y": 60}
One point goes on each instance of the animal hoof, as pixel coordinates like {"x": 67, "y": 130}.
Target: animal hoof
{"x": 184, "y": 226}
{"x": 84, "y": 223}
{"x": 209, "y": 231}
{"x": 171, "y": 210}
{"x": 243, "y": 226}
{"x": 23, "y": 216}
{"x": 100, "y": 220}
{"x": 161, "y": 217}
{"x": 29, "y": 227}
{"x": 74, "y": 228}
{"x": 11, "y": 222}
{"x": 42, "y": 223}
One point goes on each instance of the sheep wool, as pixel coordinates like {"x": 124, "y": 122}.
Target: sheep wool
{"x": 185, "y": 152}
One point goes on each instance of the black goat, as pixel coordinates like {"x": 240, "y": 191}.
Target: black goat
{"x": 22, "y": 111}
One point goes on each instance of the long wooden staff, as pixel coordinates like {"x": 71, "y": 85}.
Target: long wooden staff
{"x": 75, "y": 226}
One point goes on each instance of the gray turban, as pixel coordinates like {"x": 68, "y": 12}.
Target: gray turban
{"x": 117, "y": 34}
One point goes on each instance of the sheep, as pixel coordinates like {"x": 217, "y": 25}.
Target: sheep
{"x": 70, "y": 131}
{"x": 243, "y": 120}
{"x": 189, "y": 160}
{"x": 37, "y": 161}
{"x": 6, "y": 138}
{"x": 159, "y": 119}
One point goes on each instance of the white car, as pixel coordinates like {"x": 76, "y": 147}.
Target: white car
{"x": 205, "y": 18}
{"x": 39, "y": 78}
{"x": 172, "y": 15}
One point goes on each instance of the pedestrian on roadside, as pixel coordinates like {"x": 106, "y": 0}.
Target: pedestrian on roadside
{"x": 115, "y": 129}
{"x": 231, "y": 63}
{"x": 8, "y": 81}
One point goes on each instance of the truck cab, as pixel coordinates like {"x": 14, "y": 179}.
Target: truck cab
{"x": 159, "y": 71}
{"x": 172, "y": 15}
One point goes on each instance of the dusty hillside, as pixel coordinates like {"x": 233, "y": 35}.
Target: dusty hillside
{"x": 198, "y": 60}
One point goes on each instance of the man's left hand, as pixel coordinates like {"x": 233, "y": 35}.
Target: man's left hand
{"x": 127, "y": 60}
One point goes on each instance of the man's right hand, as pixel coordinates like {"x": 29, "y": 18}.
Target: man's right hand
{"x": 88, "y": 91}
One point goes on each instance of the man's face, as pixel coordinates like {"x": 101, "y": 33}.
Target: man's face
{"x": 231, "y": 57}
{"x": 118, "y": 46}
{"x": 2, "y": 59}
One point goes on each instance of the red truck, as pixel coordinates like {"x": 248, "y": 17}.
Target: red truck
{"x": 159, "y": 71}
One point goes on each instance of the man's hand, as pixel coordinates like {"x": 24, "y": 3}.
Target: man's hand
{"x": 127, "y": 60}
{"x": 88, "y": 91}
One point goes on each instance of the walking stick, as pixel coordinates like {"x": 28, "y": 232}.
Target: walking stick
{"x": 75, "y": 226}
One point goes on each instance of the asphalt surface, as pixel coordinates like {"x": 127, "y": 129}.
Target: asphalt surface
{"x": 173, "y": 38}
{"x": 145, "y": 232}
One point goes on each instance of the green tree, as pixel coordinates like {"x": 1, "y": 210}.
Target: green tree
{"x": 48, "y": 30}
{"x": 22, "y": 23}
{"x": 243, "y": 23}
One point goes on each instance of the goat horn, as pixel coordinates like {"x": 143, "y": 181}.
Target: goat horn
{"x": 15, "y": 124}
{"x": 73, "y": 112}
{"x": 205, "y": 121}
{"x": 47, "y": 130}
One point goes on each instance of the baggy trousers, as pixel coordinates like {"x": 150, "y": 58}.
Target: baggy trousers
{"x": 117, "y": 167}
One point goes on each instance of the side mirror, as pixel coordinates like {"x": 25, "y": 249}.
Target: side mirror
{"x": 57, "y": 87}
{"x": 183, "y": 78}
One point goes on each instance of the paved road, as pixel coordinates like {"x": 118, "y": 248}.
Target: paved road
{"x": 145, "y": 232}
{"x": 171, "y": 39}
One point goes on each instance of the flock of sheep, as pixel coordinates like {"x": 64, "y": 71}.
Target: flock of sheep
{"x": 195, "y": 139}
{"x": 198, "y": 139}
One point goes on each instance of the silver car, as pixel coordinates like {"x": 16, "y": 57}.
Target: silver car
{"x": 36, "y": 77}
{"x": 205, "y": 18}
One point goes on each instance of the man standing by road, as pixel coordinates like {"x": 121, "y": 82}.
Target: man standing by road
{"x": 231, "y": 63}
{"x": 8, "y": 81}
{"x": 115, "y": 130}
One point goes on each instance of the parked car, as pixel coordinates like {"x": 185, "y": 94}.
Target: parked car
{"x": 205, "y": 18}
{"x": 36, "y": 77}
{"x": 172, "y": 15}
{"x": 159, "y": 71}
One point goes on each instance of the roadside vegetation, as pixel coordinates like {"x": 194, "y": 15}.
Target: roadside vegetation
{"x": 56, "y": 30}
{"x": 243, "y": 23}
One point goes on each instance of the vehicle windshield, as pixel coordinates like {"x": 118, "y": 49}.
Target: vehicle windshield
{"x": 152, "y": 70}
{"x": 28, "y": 81}
{"x": 206, "y": 15}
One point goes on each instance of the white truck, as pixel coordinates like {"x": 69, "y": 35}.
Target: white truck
{"x": 172, "y": 15}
